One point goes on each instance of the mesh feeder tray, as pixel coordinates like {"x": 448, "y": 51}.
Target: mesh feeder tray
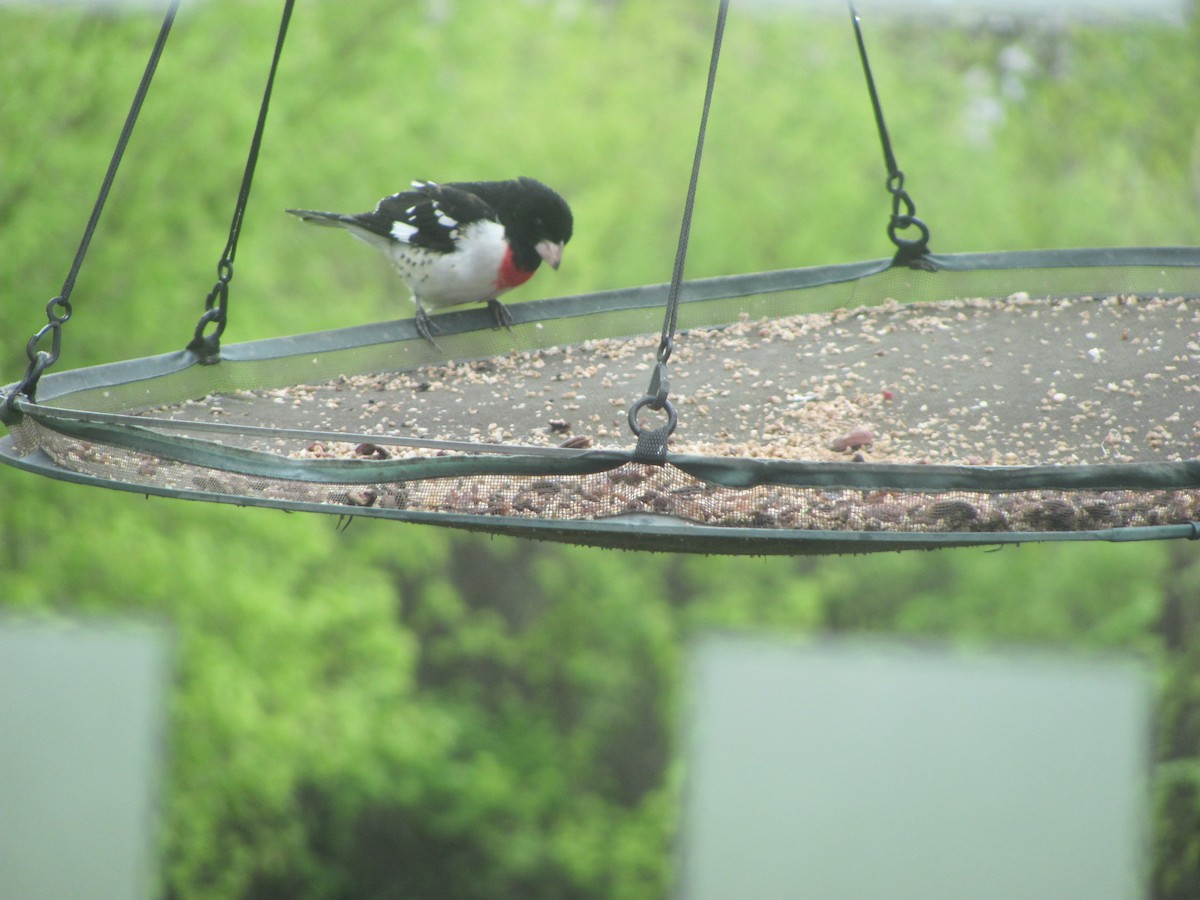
{"x": 818, "y": 412}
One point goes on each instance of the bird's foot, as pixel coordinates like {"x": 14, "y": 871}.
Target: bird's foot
{"x": 425, "y": 327}
{"x": 501, "y": 314}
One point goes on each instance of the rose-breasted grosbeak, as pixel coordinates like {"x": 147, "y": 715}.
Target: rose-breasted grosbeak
{"x": 462, "y": 242}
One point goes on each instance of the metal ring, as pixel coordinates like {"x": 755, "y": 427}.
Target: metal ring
{"x": 672, "y": 419}
{"x": 900, "y": 222}
{"x": 58, "y": 303}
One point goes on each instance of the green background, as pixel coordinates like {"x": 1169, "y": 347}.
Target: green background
{"x": 402, "y": 711}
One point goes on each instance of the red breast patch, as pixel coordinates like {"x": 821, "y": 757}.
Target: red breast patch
{"x": 509, "y": 275}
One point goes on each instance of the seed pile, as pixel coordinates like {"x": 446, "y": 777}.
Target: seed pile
{"x": 974, "y": 382}
{"x": 637, "y": 489}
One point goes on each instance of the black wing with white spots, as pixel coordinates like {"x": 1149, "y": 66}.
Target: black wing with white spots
{"x": 431, "y": 216}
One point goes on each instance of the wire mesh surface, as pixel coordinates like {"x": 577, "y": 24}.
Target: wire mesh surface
{"x": 1003, "y": 397}
{"x": 1009, "y": 382}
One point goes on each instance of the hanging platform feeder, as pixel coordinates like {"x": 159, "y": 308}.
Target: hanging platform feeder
{"x": 1063, "y": 412}
{"x": 924, "y": 401}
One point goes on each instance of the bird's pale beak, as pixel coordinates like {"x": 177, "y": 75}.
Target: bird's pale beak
{"x": 550, "y": 252}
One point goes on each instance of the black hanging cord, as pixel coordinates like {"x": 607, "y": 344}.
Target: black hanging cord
{"x": 909, "y": 252}
{"x": 207, "y": 346}
{"x": 652, "y": 444}
{"x": 58, "y": 310}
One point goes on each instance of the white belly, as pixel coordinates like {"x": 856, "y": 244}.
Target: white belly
{"x": 448, "y": 279}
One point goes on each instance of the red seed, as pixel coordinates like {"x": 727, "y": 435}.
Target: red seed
{"x": 853, "y": 439}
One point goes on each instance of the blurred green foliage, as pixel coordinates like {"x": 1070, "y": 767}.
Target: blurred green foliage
{"x": 399, "y": 711}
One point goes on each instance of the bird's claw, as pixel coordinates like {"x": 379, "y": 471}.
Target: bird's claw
{"x": 425, "y": 327}
{"x": 501, "y": 314}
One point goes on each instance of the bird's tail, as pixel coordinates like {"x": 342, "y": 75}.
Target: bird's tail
{"x": 317, "y": 217}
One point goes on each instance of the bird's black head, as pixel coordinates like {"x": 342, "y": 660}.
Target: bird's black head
{"x": 537, "y": 220}
{"x": 542, "y": 211}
